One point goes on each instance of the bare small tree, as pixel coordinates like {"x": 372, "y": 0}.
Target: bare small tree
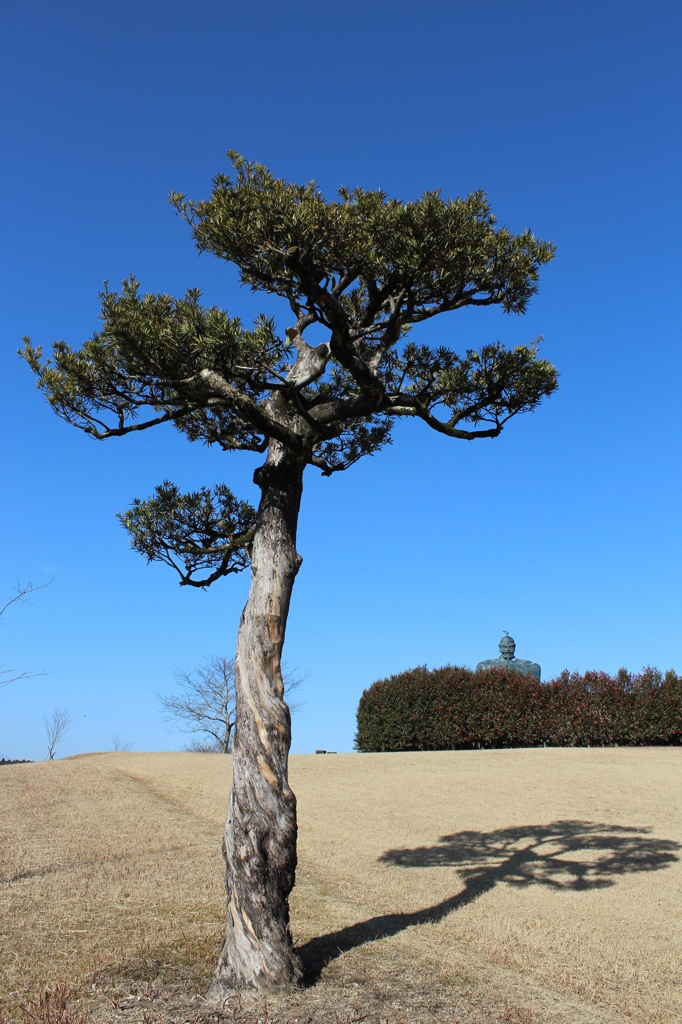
{"x": 22, "y": 594}
{"x": 56, "y": 725}
{"x": 120, "y": 745}
{"x": 205, "y": 703}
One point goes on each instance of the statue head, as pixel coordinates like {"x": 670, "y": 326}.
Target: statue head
{"x": 507, "y": 647}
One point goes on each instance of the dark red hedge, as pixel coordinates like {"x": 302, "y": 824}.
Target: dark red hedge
{"x": 454, "y": 708}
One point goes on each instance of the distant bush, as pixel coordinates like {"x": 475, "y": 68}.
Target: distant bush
{"x": 454, "y": 708}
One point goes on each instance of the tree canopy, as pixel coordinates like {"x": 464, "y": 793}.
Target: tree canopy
{"x": 364, "y": 267}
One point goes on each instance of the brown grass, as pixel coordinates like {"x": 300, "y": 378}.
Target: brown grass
{"x": 518, "y": 886}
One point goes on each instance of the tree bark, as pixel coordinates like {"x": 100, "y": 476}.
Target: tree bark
{"x": 260, "y": 832}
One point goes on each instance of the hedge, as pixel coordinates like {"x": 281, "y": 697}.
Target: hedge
{"x": 454, "y": 708}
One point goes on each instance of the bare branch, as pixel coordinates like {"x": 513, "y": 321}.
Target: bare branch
{"x": 20, "y": 675}
{"x": 23, "y": 592}
{"x": 204, "y": 702}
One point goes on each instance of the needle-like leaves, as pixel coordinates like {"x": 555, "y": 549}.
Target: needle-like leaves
{"x": 364, "y": 267}
{"x": 204, "y": 530}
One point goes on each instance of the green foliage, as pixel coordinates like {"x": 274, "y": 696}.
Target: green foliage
{"x": 454, "y": 708}
{"x": 439, "y": 254}
{"x": 366, "y": 269}
{"x": 150, "y": 354}
{"x": 205, "y": 529}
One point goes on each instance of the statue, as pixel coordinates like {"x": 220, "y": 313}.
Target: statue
{"x": 507, "y": 660}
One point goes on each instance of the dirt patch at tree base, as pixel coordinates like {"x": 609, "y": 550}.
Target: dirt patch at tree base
{"x": 352, "y": 993}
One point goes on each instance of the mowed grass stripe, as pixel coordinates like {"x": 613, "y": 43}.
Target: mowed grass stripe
{"x": 116, "y": 870}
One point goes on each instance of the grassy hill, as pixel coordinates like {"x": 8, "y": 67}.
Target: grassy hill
{"x": 503, "y": 885}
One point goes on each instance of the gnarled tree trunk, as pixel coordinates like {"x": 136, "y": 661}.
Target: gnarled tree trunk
{"x": 260, "y": 831}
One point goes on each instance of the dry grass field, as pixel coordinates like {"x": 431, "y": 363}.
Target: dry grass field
{"x": 512, "y": 885}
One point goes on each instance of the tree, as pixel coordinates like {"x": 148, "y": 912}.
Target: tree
{"x": 56, "y": 726}
{"x": 21, "y": 595}
{"x": 120, "y": 746}
{"x": 360, "y": 272}
{"x": 206, "y": 702}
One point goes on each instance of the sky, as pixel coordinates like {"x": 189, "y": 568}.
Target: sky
{"x": 565, "y": 530}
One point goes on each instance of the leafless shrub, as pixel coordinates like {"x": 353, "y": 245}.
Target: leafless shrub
{"x": 56, "y": 725}
{"x": 117, "y": 744}
{"x": 201, "y": 747}
{"x": 205, "y": 701}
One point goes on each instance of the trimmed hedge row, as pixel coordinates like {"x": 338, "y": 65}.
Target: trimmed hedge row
{"x": 454, "y": 708}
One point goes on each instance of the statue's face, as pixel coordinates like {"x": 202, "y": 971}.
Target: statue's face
{"x": 507, "y": 648}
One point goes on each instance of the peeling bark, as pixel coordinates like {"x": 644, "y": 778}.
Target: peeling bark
{"x": 260, "y": 832}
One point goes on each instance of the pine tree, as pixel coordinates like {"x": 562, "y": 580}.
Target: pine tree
{"x": 366, "y": 269}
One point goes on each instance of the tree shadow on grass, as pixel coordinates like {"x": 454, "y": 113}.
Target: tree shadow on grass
{"x": 564, "y": 855}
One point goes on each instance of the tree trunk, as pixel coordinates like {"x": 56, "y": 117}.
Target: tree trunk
{"x": 260, "y": 832}
{"x": 225, "y": 749}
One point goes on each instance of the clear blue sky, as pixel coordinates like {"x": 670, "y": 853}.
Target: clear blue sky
{"x": 564, "y": 531}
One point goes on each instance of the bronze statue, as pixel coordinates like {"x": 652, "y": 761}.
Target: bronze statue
{"x": 507, "y": 660}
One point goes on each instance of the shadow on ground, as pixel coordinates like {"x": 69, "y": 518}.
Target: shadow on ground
{"x": 568, "y": 855}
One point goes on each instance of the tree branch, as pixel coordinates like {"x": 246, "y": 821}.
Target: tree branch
{"x": 438, "y": 425}
{"x": 204, "y": 529}
{"x": 26, "y": 674}
{"x": 254, "y": 413}
{"x": 130, "y": 428}
{"x": 23, "y": 592}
